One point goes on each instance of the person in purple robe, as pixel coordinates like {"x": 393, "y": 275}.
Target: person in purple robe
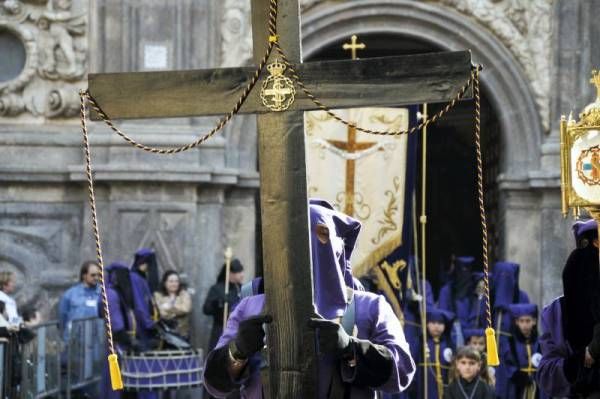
{"x": 436, "y": 360}
{"x": 463, "y": 296}
{"x": 143, "y": 269}
{"x": 121, "y": 308}
{"x": 475, "y": 338}
{"x": 520, "y": 353}
{"x": 505, "y": 292}
{"x": 412, "y": 308}
{"x": 570, "y": 342}
{"x": 373, "y": 356}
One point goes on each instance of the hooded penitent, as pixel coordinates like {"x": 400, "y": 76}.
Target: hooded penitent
{"x": 585, "y": 231}
{"x": 383, "y": 360}
{"x": 462, "y": 283}
{"x": 505, "y": 284}
{"x": 581, "y": 287}
{"x": 332, "y": 238}
{"x": 147, "y": 256}
{"x": 119, "y": 280}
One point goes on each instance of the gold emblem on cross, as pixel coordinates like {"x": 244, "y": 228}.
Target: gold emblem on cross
{"x": 277, "y": 92}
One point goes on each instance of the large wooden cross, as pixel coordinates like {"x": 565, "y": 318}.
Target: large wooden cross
{"x": 283, "y": 196}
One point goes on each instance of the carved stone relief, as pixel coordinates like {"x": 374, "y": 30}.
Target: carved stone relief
{"x": 40, "y": 245}
{"x": 525, "y": 27}
{"x": 236, "y": 32}
{"x": 53, "y": 33}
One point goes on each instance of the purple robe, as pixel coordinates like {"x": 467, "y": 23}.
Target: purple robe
{"x": 555, "y": 350}
{"x": 375, "y": 321}
{"x": 516, "y": 356}
{"x": 437, "y": 362}
{"x": 142, "y": 298}
{"x": 379, "y": 340}
{"x": 469, "y": 309}
{"x": 122, "y": 322}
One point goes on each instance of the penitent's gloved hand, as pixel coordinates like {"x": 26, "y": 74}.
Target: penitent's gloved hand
{"x": 250, "y": 337}
{"x": 331, "y": 337}
{"x": 594, "y": 346}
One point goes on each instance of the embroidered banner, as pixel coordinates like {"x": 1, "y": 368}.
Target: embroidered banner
{"x": 366, "y": 176}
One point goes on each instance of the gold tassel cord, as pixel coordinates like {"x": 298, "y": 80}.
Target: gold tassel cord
{"x": 492, "y": 349}
{"x": 115, "y": 374}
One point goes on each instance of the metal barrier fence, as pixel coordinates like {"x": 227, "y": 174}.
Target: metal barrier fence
{"x": 85, "y": 354}
{"x": 68, "y": 364}
{"x": 40, "y": 376}
{"x": 55, "y": 363}
{"x": 9, "y": 367}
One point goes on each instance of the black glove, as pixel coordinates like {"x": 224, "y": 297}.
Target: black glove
{"x": 521, "y": 379}
{"x": 250, "y": 337}
{"x": 594, "y": 346}
{"x": 331, "y": 337}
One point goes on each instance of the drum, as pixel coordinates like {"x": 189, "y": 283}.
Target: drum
{"x": 155, "y": 370}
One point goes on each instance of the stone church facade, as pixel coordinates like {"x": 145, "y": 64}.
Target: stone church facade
{"x": 537, "y": 55}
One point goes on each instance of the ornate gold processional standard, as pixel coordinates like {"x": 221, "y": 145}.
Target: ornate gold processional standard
{"x": 333, "y": 84}
{"x": 580, "y": 158}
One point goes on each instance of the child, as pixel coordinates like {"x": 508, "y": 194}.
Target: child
{"x": 435, "y": 362}
{"x": 520, "y": 353}
{"x": 467, "y": 382}
{"x": 475, "y": 338}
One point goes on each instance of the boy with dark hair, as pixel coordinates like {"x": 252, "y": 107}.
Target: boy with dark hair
{"x": 467, "y": 382}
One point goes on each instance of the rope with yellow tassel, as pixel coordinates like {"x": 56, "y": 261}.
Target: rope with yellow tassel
{"x": 490, "y": 334}
{"x": 113, "y": 361}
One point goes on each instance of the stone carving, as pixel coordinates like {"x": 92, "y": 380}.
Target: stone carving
{"x": 60, "y": 57}
{"x": 54, "y": 37}
{"x": 525, "y": 27}
{"x": 236, "y": 32}
{"x": 31, "y": 244}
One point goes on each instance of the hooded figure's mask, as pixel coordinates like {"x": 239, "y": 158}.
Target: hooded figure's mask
{"x": 332, "y": 238}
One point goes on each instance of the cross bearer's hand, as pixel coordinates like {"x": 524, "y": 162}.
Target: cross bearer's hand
{"x": 251, "y": 336}
{"x": 331, "y": 337}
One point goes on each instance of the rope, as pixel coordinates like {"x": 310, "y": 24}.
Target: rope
{"x": 96, "y": 230}
{"x": 480, "y": 195}
{"x": 296, "y": 77}
{"x": 272, "y": 24}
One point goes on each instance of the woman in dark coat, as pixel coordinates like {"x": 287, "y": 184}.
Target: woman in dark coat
{"x": 215, "y": 300}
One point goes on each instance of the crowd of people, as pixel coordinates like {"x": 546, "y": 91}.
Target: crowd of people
{"x": 455, "y": 342}
{"x": 375, "y": 355}
{"x": 363, "y": 349}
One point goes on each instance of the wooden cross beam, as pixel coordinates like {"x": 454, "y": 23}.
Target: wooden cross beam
{"x": 284, "y": 211}
{"x": 385, "y": 81}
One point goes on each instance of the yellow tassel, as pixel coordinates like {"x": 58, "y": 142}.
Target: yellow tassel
{"x": 115, "y": 372}
{"x": 492, "y": 349}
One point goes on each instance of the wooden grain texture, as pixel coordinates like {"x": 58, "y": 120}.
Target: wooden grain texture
{"x": 385, "y": 81}
{"x": 285, "y": 228}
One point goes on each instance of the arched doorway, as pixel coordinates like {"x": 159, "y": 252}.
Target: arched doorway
{"x": 453, "y": 216}
{"x": 516, "y": 126}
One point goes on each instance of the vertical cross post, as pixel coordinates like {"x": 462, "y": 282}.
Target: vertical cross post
{"x": 285, "y": 225}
